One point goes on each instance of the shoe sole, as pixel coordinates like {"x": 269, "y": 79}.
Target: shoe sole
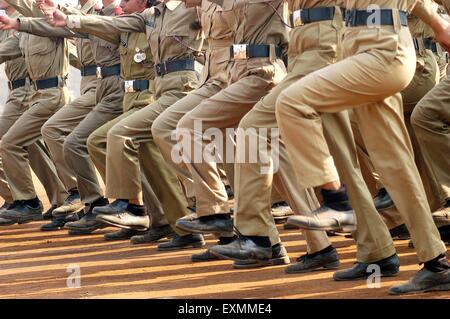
{"x": 344, "y": 228}
{"x": 329, "y": 266}
{"x": 196, "y": 231}
{"x": 194, "y": 245}
{"x": 136, "y": 227}
{"x": 52, "y": 229}
{"x": 271, "y": 262}
{"x": 82, "y": 231}
{"x": 21, "y": 221}
{"x": 250, "y": 261}
{"x": 386, "y": 274}
{"x": 443, "y": 287}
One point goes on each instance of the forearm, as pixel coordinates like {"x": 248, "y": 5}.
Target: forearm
{"x": 39, "y": 26}
{"x": 107, "y": 28}
{"x": 27, "y": 8}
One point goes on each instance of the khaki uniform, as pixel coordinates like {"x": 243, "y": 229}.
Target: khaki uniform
{"x": 61, "y": 124}
{"x": 108, "y": 106}
{"x": 131, "y": 45}
{"x": 219, "y": 36}
{"x": 130, "y": 147}
{"x": 16, "y": 104}
{"x": 255, "y": 23}
{"x": 430, "y": 121}
{"x": 370, "y": 84}
{"x": 45, "y": 58}
{"x": 427, "y": 76}
{"x": 307, "y": 53}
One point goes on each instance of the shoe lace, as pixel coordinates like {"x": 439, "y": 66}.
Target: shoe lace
{"x": 303, "y": 258}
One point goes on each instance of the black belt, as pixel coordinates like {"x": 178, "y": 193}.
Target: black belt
{"x": 174, "y": 66}
{"x": 247, "y": 51}
{"x": 136, "y": 85}
{"x": 17, "y": 84}
{"x": 311, "y": 15}
{"x": 430, "y": 44}
{"x": 355, "y": 18}
{"x": 88, "y": 70}
{"x": 103, "y": 72}
{"x": 46, "y": 83}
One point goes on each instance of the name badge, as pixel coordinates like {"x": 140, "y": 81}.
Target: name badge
{"x": 139, "y": 57}
{"x": 240, "y": 51}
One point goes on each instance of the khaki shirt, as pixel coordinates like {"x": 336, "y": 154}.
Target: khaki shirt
{"x": 169, "y": 29}
{"x": 219, "y": 36}
{"x": 14, "y": 69}
{"x": 258, "y": 21}
{"x": 105, "y": 53}
{"x": 44, "y": 57}
{"x": 305, "y": 4}
{"x": 405, "y": 5}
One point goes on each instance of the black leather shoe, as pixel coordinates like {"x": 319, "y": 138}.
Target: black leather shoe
{"x": 48, "y": 215}
{"x": 204, "y": 256}
{"x": 314, "y": 262}
{"x": 22, "y": 213}
{"x": 243, "y": 249}
{"x": 214, "y": 225}
{"x": 122, "y": 234}
{"x": 153, "y": 235}
{"x": 424, "y": 281}
{"x": 7, "y": 222}
{"x": 389, "y": 267}
{"x": 116, "y": 207}
{"x": 125, "y": 220}
{"x": 58, "y": 223}
{"x": 72, "y": 204}
{"x": 400, "y": 232}
{"x": 279, "y": 257}
{"x": 86, "y": 225}
{"x": 383, "y": 200}
{"x": 181, "y": 242}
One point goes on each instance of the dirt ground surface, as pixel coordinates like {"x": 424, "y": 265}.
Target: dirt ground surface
{"x": 34, "y": 264}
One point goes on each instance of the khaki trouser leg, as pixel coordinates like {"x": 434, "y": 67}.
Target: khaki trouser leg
{"x": 130, "y": 148}
{"x": 40, "y": 161}
{"x": 75, "y": 149}
{"x": 15, "y": 142}
{"x": 254, "y": 180}
{"x": 96, "y": 145}
{"x": 224, "y": 110}
{"x": 59, "y": 126}
{"x": 367, "y": 82}
{"x": 430, "y": 121}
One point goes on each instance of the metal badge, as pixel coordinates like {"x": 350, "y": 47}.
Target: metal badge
{"x": 297, "y": 18}
{"x": 98, "y": 72}
{"x": 129, "y": 86}
{"x": 139, "y": 57}
{"x": 240, "y": 51}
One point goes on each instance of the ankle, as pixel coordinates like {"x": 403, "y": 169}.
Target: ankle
{"x": 138, "y": 210}
{"x": 438, "y": 264}
{"x": 262, "y": 241}
{"x": 213, "y": 217}
{"x": 34, "y": 202}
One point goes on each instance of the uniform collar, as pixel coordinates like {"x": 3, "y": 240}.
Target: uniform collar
{"x": 88, "y": 6}
{"x": 171, "y": 5}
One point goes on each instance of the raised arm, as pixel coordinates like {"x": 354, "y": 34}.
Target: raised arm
{"x": 40, "y": 27}
{"x": 27, "y": 8}
{"x": 103, "y": 24}
{"x": 9, "y": 48}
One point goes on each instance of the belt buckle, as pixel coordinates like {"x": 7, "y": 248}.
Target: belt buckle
{"x": 129, "y": 88}
{"x": 161, "y": 68}
{"x": 240, "y": 51}
{"x": 98, "y": 72}
{"x": 297, "y": 18}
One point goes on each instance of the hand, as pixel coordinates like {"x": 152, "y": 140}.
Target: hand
{"x": 7, "y": 23}
{"x": 46, "y": 5}
{"x": 441, "y": 28}
{"x": 56, "y": 19}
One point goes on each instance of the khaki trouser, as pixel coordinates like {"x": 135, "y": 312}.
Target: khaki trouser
{"x": 369, "y": 83}
{"x": 130, "y": 148}
{"x": 426, "y": 77}
{"x": 25, "y": 132}
{"x": 63, "y": 122}
{"x": 252, "y": 79}
{"x": 431, "y": 123}
{"x": 96, "y": 144}
{"x": 38, "y": 155}
{"x": 307, "y": 53}
{"x": 109, "y": 96}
